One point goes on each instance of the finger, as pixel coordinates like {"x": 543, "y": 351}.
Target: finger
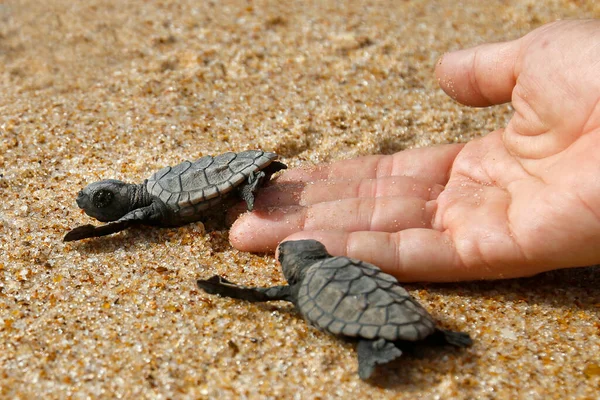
{"x": 480, "y": 76}
{"x": 304, "y": 194}
{"x": 410, "y": 255}
{"x": 429, "y": 164}
{"x": 261, "y": 232}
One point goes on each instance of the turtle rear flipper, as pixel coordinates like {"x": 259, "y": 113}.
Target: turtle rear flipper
{"x": 270, "y": 169}
{"x": 89, "y": 231}
{"x": 373, "y": 352}
{"x": 458, "y": 339}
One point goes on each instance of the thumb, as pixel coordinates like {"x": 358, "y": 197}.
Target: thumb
{"x": 480, "y": 76}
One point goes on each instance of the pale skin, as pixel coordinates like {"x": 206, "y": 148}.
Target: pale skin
{"x": 519, "y": 201}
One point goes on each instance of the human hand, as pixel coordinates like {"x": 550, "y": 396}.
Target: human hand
{"x": 519, "y": 201}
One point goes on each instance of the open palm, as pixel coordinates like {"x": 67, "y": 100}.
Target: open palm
{"x": 516, "y": 202}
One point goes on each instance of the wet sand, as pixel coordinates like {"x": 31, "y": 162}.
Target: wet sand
{"x": 110, "y": 89}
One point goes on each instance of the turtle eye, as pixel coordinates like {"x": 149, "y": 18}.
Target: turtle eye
{"x": 102, "y": 198}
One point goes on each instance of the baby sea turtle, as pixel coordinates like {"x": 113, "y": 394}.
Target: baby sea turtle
{"x": 348, "y": 298}
{"x": 174, "y": 195}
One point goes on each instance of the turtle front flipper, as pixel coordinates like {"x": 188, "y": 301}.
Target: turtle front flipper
{"x": 89, "y": 231}
{"x": 248, "y": 189}
{"x": 372, "y": 353}
{"x": 221, "y": 286}
{"x": 255, "y": 180}
{"x": 148, "y": 215}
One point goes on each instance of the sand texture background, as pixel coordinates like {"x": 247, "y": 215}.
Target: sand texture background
{"x": 118, "y": 89}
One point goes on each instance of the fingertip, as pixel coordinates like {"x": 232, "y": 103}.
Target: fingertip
{"x": 457, "y": 75}
{"x": 480, "y": 76}
{"x": 445, "y": 71}
{"x": 237, "y": 236}
{"x": 247, "y": 235}
{"x": 261, "y": 230}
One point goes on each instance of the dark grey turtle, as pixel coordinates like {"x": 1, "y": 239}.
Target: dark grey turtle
{"x": 348, "y": 298}
{"x": 174, "y": 195}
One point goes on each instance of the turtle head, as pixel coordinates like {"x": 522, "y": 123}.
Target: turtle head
{"x": 297, "y": 255}
{"x": 106, "y": 200}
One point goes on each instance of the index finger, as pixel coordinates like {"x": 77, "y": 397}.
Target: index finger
{"x": 428, "y": 163}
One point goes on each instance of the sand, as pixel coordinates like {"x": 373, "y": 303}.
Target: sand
{"x": 111, "y": 89}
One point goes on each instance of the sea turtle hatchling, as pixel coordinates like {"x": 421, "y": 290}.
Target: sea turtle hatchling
{"x": 174, "y": 195}
{"x": 348, "y": 298}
